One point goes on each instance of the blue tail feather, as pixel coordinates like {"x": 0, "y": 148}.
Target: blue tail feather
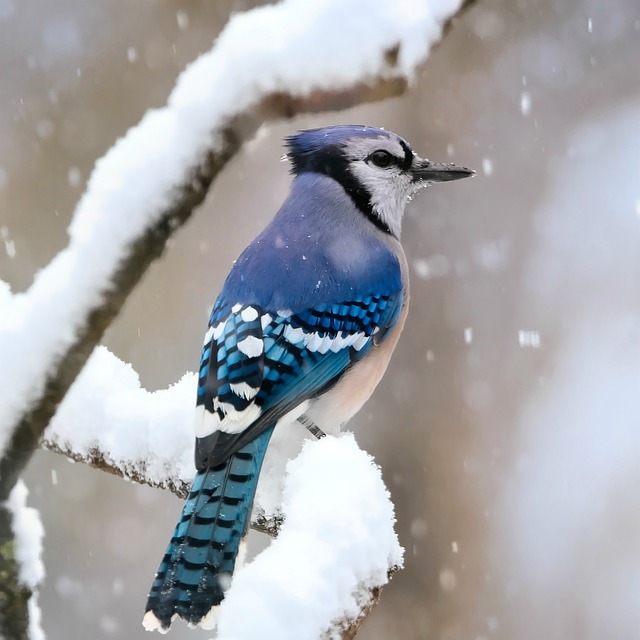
{"x": 202, "y": 553}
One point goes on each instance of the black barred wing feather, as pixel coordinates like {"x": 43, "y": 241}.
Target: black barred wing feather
{"x": 257, "y": 364}
{"x": 231, "y": 368}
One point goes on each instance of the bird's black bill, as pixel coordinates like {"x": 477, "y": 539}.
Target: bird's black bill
{"x": 426, "y": 171}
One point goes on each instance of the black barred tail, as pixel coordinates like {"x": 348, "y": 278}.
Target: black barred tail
{"x": 200, "y": 559}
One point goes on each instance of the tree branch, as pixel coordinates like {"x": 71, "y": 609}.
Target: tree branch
{"x": 14, "y": 596}
{"x": 135, "y": 472}
{"x": 337, "y": 544}
{"x": 199, "y": 172}
{"x": 53, "y": 328}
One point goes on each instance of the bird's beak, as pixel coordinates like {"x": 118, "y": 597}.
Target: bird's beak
{"x": 427, "y": 171}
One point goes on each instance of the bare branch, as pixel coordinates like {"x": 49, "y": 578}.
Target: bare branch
{"x": 368, "y": 599}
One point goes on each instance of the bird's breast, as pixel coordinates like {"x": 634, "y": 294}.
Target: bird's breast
{"x": 346, "y": 398}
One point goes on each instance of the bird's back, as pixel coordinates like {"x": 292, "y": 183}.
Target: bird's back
{"x": 318, "y": 249}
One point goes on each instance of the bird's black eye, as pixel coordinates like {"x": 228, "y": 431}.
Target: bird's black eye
{"x": 381, "y": 158}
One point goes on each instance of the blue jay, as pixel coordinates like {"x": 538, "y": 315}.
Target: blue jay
{"x": 303, "y": 330}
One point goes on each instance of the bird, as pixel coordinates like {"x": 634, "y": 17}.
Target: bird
{"x": 302, "y": 330}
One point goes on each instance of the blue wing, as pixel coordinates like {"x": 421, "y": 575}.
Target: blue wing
{"x": 259, "y": 364}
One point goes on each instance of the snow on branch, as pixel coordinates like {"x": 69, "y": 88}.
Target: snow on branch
{"x": 109, "y": 421}
{"x": 272, "y": 62}
{"x": 28, "y": 533}
{"x": 335, "y": 525}
{"x": 148, "y": 184}
{"x": 334, "y": 551}
{"x": 21, "y": 568}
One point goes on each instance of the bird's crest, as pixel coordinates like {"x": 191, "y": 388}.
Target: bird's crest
{"x": 308, "y": 147}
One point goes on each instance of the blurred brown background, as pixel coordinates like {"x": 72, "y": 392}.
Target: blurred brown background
{"x": 507, "y": 427}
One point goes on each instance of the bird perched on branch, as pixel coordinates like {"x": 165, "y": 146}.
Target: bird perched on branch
{"x": 303, "y": 330}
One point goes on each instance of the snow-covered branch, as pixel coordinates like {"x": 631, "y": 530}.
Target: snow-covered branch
{"x": 110, "y": 422}
{"x": 148, "y": 184}
{"x": 312, "y": 58}
{"x": 334, "y": 551}
{"x": 334, "y": 525}
{"x": 21, "y": 568}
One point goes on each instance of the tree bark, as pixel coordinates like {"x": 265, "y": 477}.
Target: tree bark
{"x": 14, "y": 596}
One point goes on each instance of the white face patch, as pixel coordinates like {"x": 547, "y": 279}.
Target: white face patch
{"x": 389, "y": 188}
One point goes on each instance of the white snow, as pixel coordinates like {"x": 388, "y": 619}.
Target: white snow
{"x": 28, "y": 534}
{"x": 567, "y": 524}
{"x": 9, "y": 246}
{"x": 134, "y": 182}
{"x": 435, "y": 266}
{"x": 286, "y": 443}
{"x": 339, "y": 518}
{"x": 182, "y": 17}
{"x": 151, "y": 434}
{"x": 74, "y": 177}
{"x": 336, "y": 543}
{"x": 529, "y": 339}
{"x": 448, "y": 580}
{"x": 35, "y": 630}
{"x": 136, "y": 430}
